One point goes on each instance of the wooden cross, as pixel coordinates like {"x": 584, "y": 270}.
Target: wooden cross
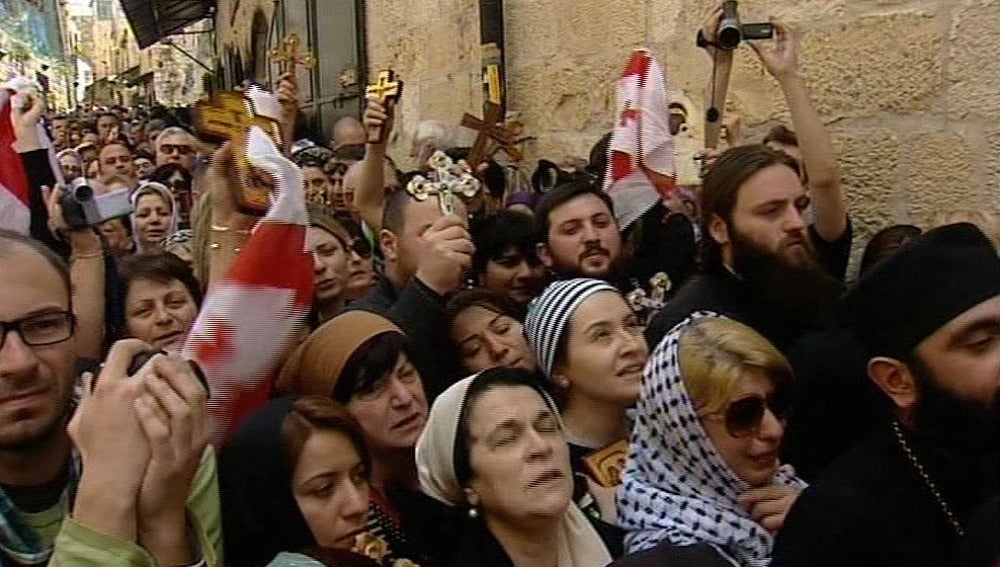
{"x": 288, "y": 57}
{"x": 387, "y": 90}
{"x": 490, "y": 130}
{"x": 229, "y": 116}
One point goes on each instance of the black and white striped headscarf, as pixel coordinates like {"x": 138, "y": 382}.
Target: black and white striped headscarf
{"x": 676, "y": 487}
{"x": 550, "y": 312}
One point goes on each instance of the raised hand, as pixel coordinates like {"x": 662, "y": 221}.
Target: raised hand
{"x": 710, "y": 27}
{"x": 445, "y": 254}
{"x": 768, "y": 505}
{"x": 172, "y": 412}
{"x": 287, "y": 93}
{"x": 781, "y": 60}
{"x": 112, "y": 445}
{"x": 376, "y": 115}
{"x": 24, "y": 120}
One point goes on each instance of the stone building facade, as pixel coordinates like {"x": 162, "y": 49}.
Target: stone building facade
{"x": 909, "y": 88}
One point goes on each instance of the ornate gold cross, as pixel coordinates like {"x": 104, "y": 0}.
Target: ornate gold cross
{"x": 288, "y": 56}
{"x": 387, "y": 90}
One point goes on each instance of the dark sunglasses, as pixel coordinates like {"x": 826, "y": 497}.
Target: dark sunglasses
{"x": 335, "y": 169}
{"x": 362, "y": 247}
{"x": 744, "y": 416}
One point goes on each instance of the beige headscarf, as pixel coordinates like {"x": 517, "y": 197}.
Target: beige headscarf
{"x": 314, "y": 368}
{"x": 578, "y": 543}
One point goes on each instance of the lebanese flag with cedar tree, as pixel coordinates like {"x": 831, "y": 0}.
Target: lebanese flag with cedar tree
{"x": 641, "y": 167}
{"x": 251, "y": 316}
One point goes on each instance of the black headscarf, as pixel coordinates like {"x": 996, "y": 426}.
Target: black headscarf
{"x": 260, "y": 517}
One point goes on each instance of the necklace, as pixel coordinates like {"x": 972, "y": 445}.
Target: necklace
{"x": 927, "y": 480}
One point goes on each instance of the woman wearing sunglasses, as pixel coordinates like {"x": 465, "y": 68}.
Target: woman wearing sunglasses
{"x": 703, "y": 485}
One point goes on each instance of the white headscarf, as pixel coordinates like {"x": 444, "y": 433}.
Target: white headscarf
{"x": 578, "y": 542}
{"x": 160, "y": 189}
{"x": 676, "y": 487}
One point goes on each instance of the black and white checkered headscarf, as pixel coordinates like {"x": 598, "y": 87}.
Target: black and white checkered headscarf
{"x": 550, "y": 312}
{"x": 676, "y": 487}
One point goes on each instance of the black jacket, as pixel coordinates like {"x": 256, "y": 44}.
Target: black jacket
{"x": 420, "y": 312}
{"x": 478, "y": 547}
{"x": 872, "y": 508}
{"x": 39, "y": 171}
{"x": 668, "y": 555}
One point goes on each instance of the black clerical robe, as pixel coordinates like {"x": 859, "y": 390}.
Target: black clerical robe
{"x": 872, "y": 508}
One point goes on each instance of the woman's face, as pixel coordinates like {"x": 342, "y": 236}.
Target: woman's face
{"x": 330, "y": 265}
{"x": 160, "y": 314}
{"x": 519, "y": 458}
{"x": 753, "y": 457}
{"x": 70, "y": 168}
{"x": 488, "y": 339}
{"x": 393, "y": 413}
{"x": 330, "y": 489}
{"x": 152, "y": 218}
{"x": 514, "y": 275}
{"x": 605, "y": 351}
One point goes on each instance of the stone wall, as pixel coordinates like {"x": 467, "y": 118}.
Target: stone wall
{"x": 909, "y": 88}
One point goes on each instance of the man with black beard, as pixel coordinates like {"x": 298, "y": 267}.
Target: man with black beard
{"x": 929, "y": 321}
{"x": 577, "y": 232}
{"x": 765, "y": 266}
{"x": 759, "y": 261}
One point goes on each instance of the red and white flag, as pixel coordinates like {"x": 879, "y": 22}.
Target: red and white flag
{"x": 14, "y": 198}
{"x": 641, "y": 166}
{"x": 250, "y": 317}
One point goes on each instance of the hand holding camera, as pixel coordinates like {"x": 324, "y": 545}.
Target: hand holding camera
{"x": 781, "y": 61}
{"x": 722, "y": 29}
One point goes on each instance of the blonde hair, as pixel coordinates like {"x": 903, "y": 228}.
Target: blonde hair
{"x": 714, "y": 352}
{"x": 983, "y": 220}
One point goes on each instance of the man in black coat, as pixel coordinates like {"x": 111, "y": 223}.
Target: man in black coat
{"x": 426, "y": 256}
{"x": 767, "y": 267}
{"x": 929, "y": 321}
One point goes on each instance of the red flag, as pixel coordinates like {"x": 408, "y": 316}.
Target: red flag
{"x": 641, "y": 153}
{"x": 250, "y": 317}
{"x": 14, "y": 211}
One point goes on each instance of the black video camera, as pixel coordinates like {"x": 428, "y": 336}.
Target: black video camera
{"x": 732, "y": 32}
{"x": 81, "y": 208}
{"x": 140, "y": 360}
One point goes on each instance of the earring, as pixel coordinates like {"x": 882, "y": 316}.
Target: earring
{"x": 473, "y": 513}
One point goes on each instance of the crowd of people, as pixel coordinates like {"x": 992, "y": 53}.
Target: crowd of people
{"x": 480, "y": 385}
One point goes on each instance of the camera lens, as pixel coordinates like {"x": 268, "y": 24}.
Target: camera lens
{"x": 729, "y": 37}
{"x": 83, "y": 193}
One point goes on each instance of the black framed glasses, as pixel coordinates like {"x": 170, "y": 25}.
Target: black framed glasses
{"x": 41, "y": 329}
{"x": 744, "y": 415}
{"x": 181, "y": 149}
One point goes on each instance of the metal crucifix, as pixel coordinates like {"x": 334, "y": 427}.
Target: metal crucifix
{"x": 288, "y": 56}
{"x": 453, "y": 180}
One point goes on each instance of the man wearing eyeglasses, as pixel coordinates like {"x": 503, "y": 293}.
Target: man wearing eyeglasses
{"x": 928, "y": 318}
{"x": 176, "y": 145}
{"x": 116, "y": 159}
{"x": 134, "y": 501}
